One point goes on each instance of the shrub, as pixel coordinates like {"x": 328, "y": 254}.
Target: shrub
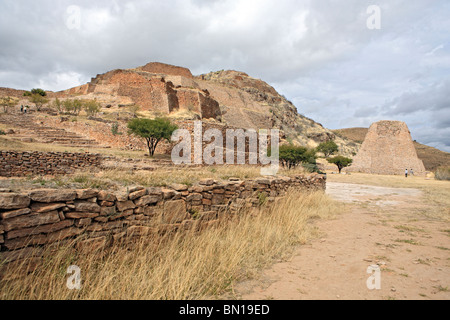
{"x": 115, "y": 129}
{"x": 7, "y": 102}
{"x": 91, "y": 107}
{"x": 36, "y": 91}
{"x": 442, "y": 173}
{"x": 2, "y": 133}
{"x": 72, "y": 106}
{"x": 58, "y": 105}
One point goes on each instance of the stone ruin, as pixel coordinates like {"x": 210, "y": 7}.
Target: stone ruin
{"x": 156, "y": 87}
{"x": 387, "y": 149}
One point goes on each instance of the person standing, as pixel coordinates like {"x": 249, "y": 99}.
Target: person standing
{"x": 412, "y": 172}
{"x": 406, "y": 173}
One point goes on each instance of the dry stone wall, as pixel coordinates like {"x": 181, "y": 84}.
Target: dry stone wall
{"x": 19, "y": 164}
{"x": 29, "y": 221}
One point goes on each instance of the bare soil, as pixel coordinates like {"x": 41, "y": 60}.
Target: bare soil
{"x": 381, "y": 226}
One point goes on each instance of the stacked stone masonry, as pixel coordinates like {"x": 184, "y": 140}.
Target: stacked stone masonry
{"x": 31, "y": 221}
{"x": 19, "y": 164}
{"x": 387, "y": 149}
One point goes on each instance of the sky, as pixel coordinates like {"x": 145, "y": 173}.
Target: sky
{"x": 343, "y": 63}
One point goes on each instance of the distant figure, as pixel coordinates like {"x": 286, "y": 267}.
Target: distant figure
{"x": 412, "y": 172}
{"x": 21, "y": 108}
{"x": 26, "y": 109}
{"x": 406, "y": 173}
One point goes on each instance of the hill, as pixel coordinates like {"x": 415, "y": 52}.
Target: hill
{"x": 230, "y": 97}
{"x": 432, "y": 158}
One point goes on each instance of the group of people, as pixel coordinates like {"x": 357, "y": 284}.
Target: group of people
{"x": 23, "y": 109}
{"x": 411, "y": 172}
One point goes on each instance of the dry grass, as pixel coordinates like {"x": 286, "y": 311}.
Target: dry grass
{"x": 187, "y": 176}
{"x": 6, "y": 143}
{"x": 443, "y": 173}
{"x": 192, "y": 266}
{"x": 117, "y": 178}
{"x": 435, "y": 193}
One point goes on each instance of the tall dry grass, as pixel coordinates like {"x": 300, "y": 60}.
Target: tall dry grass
{"x": 190, "y": 266}
{"x": 442, "y": 173}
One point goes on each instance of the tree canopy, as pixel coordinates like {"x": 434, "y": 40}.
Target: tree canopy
{"x": 153, "y": 131}
{"x": 38, "y": 91}
{"x": 328, "y": 148}
{"x": 341, "y": 162}
{"x": 7, "y": 102}
{"x": 292, "y": 156}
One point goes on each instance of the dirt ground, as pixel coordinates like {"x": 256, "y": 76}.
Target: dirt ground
{"x": 381, "y": 226}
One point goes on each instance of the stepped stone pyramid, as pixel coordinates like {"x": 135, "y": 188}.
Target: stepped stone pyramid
{"x": 387, "y": 149}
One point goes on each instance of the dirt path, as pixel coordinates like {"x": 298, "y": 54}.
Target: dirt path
{"x": 381, "y": 226}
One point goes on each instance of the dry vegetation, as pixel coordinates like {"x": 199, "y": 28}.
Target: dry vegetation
{"x": 115, "y": 179}
{"x": 436, "y": 193}
{"x": 190, "y": 266}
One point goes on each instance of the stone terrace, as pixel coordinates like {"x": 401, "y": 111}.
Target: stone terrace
{"x": 26, "y": 129}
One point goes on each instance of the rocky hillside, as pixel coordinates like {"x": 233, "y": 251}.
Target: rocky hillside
{"x": 432, "y": 158}
{"x": 247, "y": 102}
{"x": 230, "y": 97}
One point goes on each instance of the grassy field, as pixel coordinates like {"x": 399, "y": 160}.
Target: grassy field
{"x": 436, "y": 193}
{"x": 191, "y": 266}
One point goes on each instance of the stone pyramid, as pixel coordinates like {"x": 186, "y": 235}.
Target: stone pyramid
{"x": 387, "y": 149}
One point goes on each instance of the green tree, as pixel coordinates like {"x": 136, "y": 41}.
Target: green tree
{"x": 328, "y": 148}
{"x": 38, "y": 100}
{"x": 153, "y": 131}
{"x": 35, "y": 91}
{"x": 58, "y": 105}
{"x": 292, "y": 156}
{"x": 7, "y": 102}
{"x": 341, "y": 162}
{"x": 72, "y": 106}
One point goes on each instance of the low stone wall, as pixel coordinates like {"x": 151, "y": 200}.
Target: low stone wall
{"x": 20, "y": 164}
{"x": 30, "y": 221}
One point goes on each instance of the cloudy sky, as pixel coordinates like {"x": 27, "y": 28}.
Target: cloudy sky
{"x": 320, "y": 54}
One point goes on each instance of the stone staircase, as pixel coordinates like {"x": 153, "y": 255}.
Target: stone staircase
{"x": 27, "y": 130}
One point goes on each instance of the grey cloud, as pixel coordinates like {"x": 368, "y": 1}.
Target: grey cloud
{"x": 319, "y": 53}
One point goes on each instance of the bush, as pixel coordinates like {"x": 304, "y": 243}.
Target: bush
{"x": 115, "y": 129}
{"x": 442, "y": 173}
{"x": 2, "y": 133}
{"x": 72, "y": 106}
{"x": 91, "y": 107}
{"x": 36, "y": 91}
